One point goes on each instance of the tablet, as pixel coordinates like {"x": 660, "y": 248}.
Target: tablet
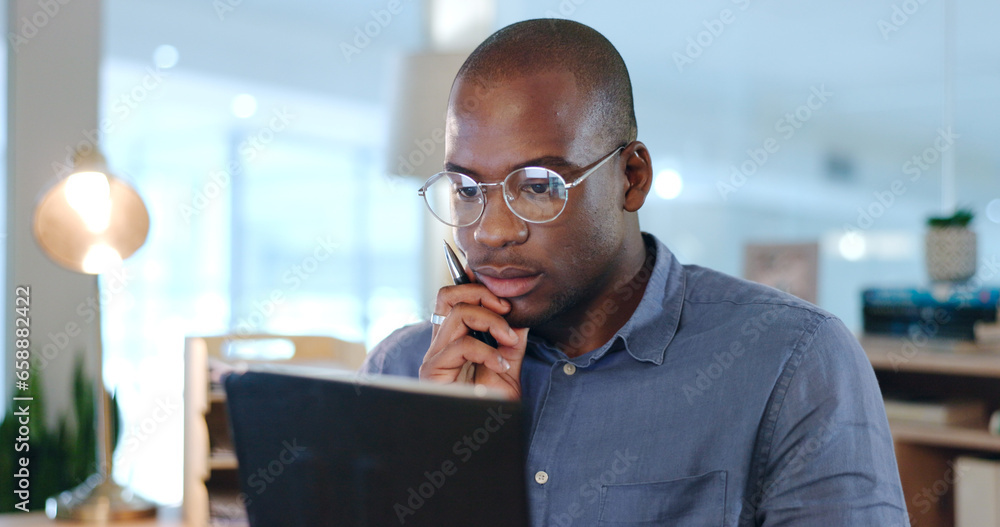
{"x": 322, "y": 448}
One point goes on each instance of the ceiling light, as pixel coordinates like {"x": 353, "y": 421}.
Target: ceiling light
{"x": 993, "y": 211}
{"x": 852, "y": 246}
{"x": 244, "y": 105}
{"x": 165, "y": 56}
{"x": 668, "y": 184}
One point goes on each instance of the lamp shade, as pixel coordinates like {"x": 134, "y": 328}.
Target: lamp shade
{"x": 90, "y": 221}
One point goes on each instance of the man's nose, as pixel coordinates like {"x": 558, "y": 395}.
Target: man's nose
{"x": 499, "y": 226}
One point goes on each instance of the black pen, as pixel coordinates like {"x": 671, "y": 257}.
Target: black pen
{"x": 459, "y": 277}
{"x": 468, "y": 372}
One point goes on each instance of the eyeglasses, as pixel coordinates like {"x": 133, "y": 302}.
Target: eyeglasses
{"x": 534, "y": 194}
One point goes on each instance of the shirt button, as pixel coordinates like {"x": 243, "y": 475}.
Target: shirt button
{"x": 541, "y": 477}
{"x": 569, "y": 368}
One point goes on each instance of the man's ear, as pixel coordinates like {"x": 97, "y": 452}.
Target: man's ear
{"x": 638, "y": 175}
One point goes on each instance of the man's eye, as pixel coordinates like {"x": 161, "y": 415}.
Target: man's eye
{"x": 536, "y": 188}
{"x": 467, "y": 192}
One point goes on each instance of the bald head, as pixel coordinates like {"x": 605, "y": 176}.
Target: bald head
{"x": 544, "y": 45}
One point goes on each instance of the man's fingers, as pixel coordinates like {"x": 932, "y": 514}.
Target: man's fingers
{"x": 464, "y": 317}
{"x": 453, "y": 356}
{"x": 473, "y": 294}
{"x": 509, "y": 381}
{"x": 466, "y": 309}
{"x": 516, "y": 352}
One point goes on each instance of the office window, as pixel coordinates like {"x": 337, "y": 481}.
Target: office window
{"x": 270, "y": 212}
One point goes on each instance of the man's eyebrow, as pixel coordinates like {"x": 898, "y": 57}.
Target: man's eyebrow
{"x": 544, "y": 161}
{"x": 547, "y": 161}
{"x": 452, "y": 167}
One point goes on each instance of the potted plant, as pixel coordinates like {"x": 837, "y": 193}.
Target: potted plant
{"x": 950, "y": 247}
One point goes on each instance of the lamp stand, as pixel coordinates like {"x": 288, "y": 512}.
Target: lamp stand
{"x": 99, "y": 498}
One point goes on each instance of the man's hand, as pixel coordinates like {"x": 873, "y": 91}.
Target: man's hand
{"x": 473, "y": 306}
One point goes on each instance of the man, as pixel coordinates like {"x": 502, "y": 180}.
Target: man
{"x": 656, "y": 393}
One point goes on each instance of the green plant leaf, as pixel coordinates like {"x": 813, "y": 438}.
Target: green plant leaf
{"x": 961, "y": 218}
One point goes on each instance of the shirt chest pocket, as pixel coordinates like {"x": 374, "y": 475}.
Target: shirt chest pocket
{"x": 694, "y": 501}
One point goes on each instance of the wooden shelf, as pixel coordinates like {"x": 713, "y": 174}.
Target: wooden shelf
{"x": 936, "y": 357}
{"x": 222, "y": 461}
{"x": 925, "y": 453}
{"x": 945, "y": 436}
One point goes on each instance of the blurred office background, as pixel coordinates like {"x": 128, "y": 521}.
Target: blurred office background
{"x": 259, "y": 133}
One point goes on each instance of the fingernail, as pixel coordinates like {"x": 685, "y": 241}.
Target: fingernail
{"x": 512, "y": 333}
{"x": 503, "y": 363}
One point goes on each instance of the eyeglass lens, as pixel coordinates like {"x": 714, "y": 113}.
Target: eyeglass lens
{"x": 534, "y": 194}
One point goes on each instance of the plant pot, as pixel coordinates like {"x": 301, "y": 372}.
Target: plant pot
{"x": 950, "y": 253}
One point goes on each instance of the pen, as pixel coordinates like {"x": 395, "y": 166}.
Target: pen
{"x": 459, "y": 277}
{"x": 468, "y": 373}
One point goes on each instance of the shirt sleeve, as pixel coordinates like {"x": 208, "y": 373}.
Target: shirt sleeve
{"x": 825, "y": 456}
{"x": 401, "y": 353}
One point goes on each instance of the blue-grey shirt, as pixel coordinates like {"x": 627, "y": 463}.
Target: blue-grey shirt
{"x": 720, "y": 402}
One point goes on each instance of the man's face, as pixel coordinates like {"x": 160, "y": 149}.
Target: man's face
{"x": 549, "y": 272}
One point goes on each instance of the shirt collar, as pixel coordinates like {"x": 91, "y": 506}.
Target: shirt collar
{"x": 652, "y": 326}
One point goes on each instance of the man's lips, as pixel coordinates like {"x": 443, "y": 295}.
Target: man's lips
{"x": 508, "y": 282}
